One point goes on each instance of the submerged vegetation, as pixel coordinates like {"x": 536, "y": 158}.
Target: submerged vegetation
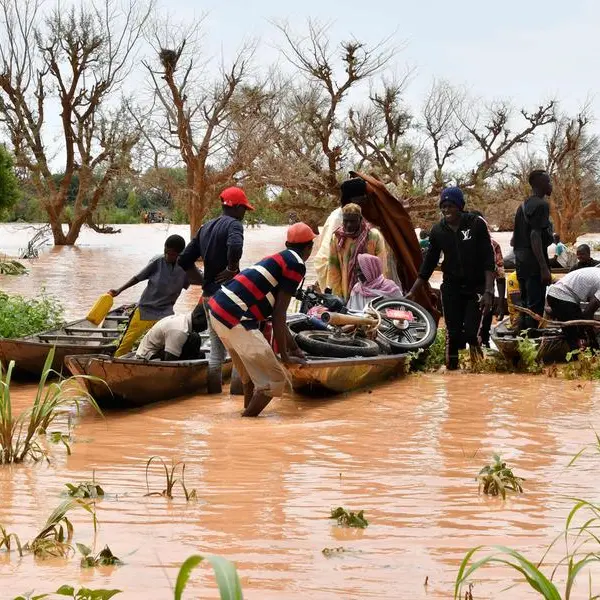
{"x": 105, "y": 558}
{"x": 348, "y": 518}
{"x": 20, "y": 316}
{"x": 12, "y": 267}
{"x": 70, "y": 592}
{"x": 20, "y": 435}
{"x": 496, "y": 478}
{"x": 84, "y": 489}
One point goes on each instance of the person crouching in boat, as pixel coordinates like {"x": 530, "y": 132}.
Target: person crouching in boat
{"x": 355, "y": 236}
{"x": 166, "y": 279}
{"x": 565, "y": 297}
{"x": 468, "y": 273}
{"x": 371, "y": 283}
{"x": 251, "y": 297}
{"x": 175, "y": 337}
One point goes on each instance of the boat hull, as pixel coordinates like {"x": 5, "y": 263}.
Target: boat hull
{"x": 129, "y": 382}
{"x": 550, "y": 349}
{"x": 345, "y": 374}
{"x": 75, "y": 338}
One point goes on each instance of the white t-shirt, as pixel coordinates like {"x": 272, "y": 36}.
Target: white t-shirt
{"x": 169, "y": 334}
{"x": 578, "y": 286}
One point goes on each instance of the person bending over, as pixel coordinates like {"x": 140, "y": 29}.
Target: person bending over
{"x": 240, "y": 306}
{"x": 175, "y": 337}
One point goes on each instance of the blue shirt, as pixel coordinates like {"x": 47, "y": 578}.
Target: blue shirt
{"x": 217, "y": 242}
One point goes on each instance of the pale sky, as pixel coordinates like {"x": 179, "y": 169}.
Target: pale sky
{"x": 524, "y": 50}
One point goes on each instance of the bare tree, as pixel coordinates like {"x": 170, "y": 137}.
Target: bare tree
{"x": 442, "y": 128}
{"x": 315, "y": 112}
{"x": 379, "y": 136}
{"x": 77, "y": 59}
{"x": 203, "y": 120}
{"x": 573, "y": 159}
{"x": 491, "y": 133}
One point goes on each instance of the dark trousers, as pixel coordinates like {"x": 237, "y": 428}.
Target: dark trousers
{"x": 562, "y": 310}
{"x": 462, "y": 315}
{"x": 533, "y": 297}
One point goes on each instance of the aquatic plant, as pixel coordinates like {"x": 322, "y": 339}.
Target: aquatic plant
{"x": 496, "y": 478}
{"x": 70, "y": 592}
{"x": 105, "y": 558}
{"x": 582, "y": 364}
{"x": 333, "y": 551}
{"x": 170, "y": 479}
{"x": 349, "y": 518}
{"x": 7, "y": 539}
{"x": 528, "y": 351}
{"x": 85, "y": 489}
{"x": 54, "y": 540}
{"x": 20, "y": 316}
{"x": 12, "y": 267}
{"x": 226, "y": 575}
{"x": 19, "y": 435}
{"x": 580, "y": 535}
{"x": 432, "y": 358}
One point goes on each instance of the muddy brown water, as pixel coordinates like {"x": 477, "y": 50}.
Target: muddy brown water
{"x": 406, "y": 452}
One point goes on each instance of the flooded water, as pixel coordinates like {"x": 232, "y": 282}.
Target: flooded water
{"x": 406, "y": 452}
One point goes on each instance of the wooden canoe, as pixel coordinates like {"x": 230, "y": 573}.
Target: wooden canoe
{"x": 129, "y": 382}
{"x": 77, "y": 337}
{"x": 551, "y": 345}
{"x": 345, "y": 374}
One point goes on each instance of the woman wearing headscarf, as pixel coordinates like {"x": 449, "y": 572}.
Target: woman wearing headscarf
{"x": 371, "y": 283}
{"x": 355, "y": 236}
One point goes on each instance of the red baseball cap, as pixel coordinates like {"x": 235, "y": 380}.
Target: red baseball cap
{"x": 300, "y": 233}
{"x": 235, "y": 196}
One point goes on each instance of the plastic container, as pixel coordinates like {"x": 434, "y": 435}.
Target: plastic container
{"x": 100, "y": 309}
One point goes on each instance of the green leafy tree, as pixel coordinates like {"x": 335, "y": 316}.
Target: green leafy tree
{"x": 9, "y": 184}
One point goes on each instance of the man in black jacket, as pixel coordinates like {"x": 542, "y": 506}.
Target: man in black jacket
{"x": 532, "y": 234}
{"x": 468, "y": 273}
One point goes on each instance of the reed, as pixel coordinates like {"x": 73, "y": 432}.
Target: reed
{"x": 170, "y": 479}
{"x": 226, "y": 575}
{"x": 20, "y": 434}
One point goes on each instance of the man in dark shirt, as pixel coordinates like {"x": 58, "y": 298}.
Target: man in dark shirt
{"x": 468, "y": 273}
{"x": 532, "y": 234}
{"x": 584, "y": 258}
{"x": 219, "y": 243}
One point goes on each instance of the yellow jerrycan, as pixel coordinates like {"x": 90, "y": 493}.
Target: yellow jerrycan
{"x": 100, "y": 309}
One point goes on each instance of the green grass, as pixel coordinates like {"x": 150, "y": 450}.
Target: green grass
{"x": 20, "y": 316}
{"x": 20, "y": 434}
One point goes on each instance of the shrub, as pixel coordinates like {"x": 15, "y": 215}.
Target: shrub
{"x": 20, "y": 316}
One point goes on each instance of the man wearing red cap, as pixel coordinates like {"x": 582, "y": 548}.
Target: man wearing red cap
{"x": 254, "y": 295}
{"x": 224, "y": 232}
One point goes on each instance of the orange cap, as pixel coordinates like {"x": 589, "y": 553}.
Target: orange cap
{"x": 235, "y": 196}
{"x": 300, "y": 233}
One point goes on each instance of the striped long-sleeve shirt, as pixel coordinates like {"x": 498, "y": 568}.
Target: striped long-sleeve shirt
{"x": 250, "y": 296}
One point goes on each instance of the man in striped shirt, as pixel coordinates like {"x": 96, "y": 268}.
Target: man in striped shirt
{"x": 252, "y": 296}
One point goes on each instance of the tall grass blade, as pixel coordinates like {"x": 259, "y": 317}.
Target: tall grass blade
{"x": 226, "y": 575}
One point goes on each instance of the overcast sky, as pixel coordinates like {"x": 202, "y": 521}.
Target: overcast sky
{"x": 525, "y": 50}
